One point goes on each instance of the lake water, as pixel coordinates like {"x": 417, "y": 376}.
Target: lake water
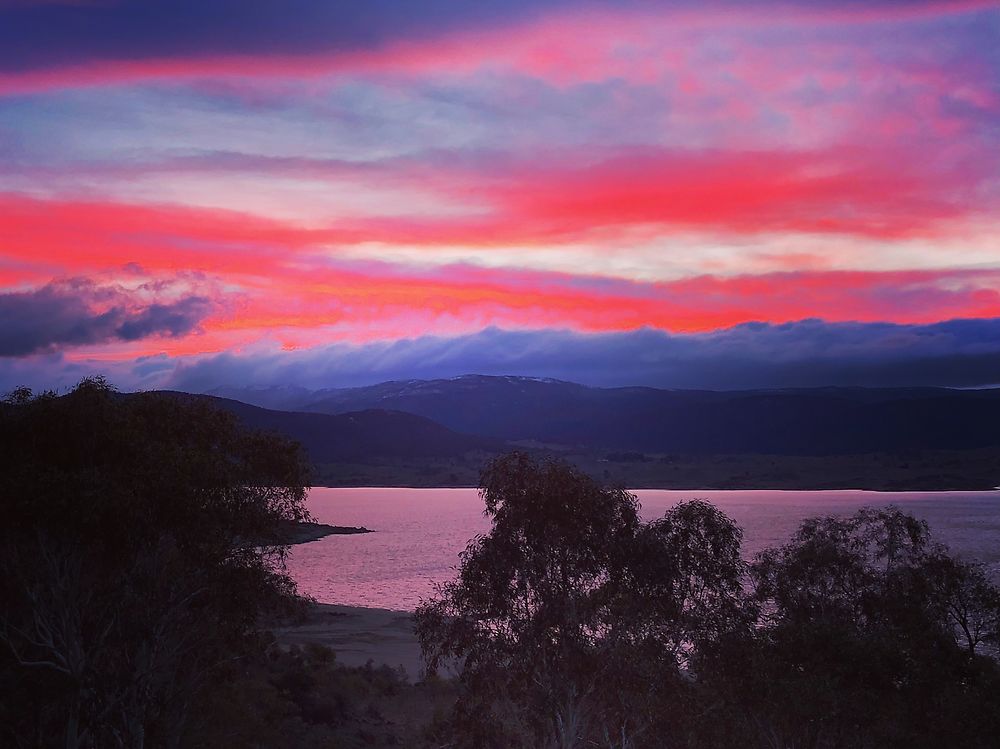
{"x": 419, "y": 532}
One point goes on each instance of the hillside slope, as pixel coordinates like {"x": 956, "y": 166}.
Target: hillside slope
{"x": 369, "y": 435}
{"x": 824, "y": 421}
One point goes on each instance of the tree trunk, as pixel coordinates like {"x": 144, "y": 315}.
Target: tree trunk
{"x": 73, "y": 724}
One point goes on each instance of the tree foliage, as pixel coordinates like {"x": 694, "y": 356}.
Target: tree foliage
{"x": 141, "y": 542}
{"x": 572, "y": 621}
{"x": 868, "y": 634}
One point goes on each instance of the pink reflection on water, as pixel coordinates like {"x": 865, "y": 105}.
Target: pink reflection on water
{"x": 420, "y": 532}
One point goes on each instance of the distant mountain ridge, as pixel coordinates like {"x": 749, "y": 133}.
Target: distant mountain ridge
{"x": 359, "y": 437}
{"x": 819, "y": 421}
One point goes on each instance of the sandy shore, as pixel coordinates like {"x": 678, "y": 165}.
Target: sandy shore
{"x": 359, "y": 635}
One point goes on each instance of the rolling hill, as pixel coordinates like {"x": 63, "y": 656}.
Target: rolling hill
{"x": 440, "y": 432}
{"x": 365, "y": 436}
{"x": 823, "y": 421}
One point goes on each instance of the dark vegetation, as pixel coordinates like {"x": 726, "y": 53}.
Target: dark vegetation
{"x": 574, "y": 624}
{"x": 911, "y": 470}
{"x": 142, "y": 566}
{"x": 301, "y": 698}
{"x": 904, "y": 470}
{"x": 141, "y": 563}
{"x": 140, "y": 548}
{"x": 300, "y": 531}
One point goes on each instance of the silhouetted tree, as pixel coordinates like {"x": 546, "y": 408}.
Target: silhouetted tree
{"x": 867, "y": 636}
{"x": 572, "y": 622}
{"x": 140, "y": 542}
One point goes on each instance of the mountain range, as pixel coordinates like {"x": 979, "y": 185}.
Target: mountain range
{"x": 482, "y": 412}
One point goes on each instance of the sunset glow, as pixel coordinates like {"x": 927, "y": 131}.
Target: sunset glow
{"x": 240, "y": 184}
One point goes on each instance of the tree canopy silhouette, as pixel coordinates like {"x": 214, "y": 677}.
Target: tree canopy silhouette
{"x": 572, "y": 621}
{"x": 867, "y": 634}
{"x": 141, "y": 541}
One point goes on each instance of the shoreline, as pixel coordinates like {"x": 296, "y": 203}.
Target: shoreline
{"x": 921, "y": 490}
{"x": 304, "y": 532}
{"x": 358, "y": 634}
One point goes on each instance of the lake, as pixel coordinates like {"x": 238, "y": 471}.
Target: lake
{"x": 419, "y": 532}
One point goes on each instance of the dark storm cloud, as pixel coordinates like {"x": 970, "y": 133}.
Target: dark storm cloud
{"x": 45, "y": 35}
{"x": 79, "y": 312}
{"x": 38, "y": 36}
{"x": 810, "y": 353}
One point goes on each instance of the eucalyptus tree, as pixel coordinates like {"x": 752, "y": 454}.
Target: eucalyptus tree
{"x": 572, "y": 622}
{"x": 868, "y": 635}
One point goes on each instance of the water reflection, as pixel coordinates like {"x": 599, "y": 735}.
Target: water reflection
{"x": 421, "y": 531}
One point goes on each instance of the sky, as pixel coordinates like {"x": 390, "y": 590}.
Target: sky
{"x": 197, "y": 193}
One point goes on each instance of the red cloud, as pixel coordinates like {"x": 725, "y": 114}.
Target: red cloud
{"x": 284, "y": 281}
{"x": 890, "y": 193}
{"x": 71, "y": 236}
{"x": 859, "y": 193}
